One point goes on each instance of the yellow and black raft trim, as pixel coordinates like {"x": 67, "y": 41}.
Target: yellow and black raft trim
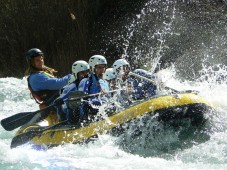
{"x": 178, "y": 106}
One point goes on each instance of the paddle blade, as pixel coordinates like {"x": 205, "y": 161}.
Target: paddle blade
{"x": 17, "y": 120}
{"x": 75, "y": 99}
{"x": 20, "y": 119}
{"x": 26, "y": 137}
{"x": 76, "y": 95}
{"x": 23, "y": 138}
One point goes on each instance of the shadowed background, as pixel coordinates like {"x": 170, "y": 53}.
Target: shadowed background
{"x": 70, "y": 30}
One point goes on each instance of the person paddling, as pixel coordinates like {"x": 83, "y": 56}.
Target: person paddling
{"x": 43, "y": 84}
{"x": 144, "y": 87}
{"x": 95, "y": 84}
{"x": 110, "y": 77}
{"x": 135, "y": 88}
{"x": 80, "y": 70}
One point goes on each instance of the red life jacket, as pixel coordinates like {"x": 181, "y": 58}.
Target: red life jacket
{"x": 44, "y": 97}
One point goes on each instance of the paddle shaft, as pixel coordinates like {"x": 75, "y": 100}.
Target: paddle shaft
{"x": 90, "y": 95}
{"x": 19, "y": 119}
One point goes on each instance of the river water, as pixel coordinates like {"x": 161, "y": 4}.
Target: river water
{"x": 106, "y": 152}
{"x": 201, "y": 67}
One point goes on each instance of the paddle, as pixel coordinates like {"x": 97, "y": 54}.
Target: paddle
{"x": 19, "y": 119}
{"x": 27, "y": 136}
{"x": 166, "y": 87}
{"x": 75, "y": 97}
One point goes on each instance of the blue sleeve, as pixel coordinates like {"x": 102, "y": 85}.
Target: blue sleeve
{"x": 83, "y": 85}
{"x": 67, "y": 89}
{"x": 40, "y": 81}
{"x": 104, "y": 85}
{"x": 138, "y": 90}
{"x": 150, "y": 89}
{"x": 64, "y": 95}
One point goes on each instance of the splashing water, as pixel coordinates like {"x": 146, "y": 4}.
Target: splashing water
{"x": 109, "y": 151}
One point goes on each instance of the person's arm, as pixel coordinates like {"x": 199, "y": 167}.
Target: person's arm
{"x": 42, "y": 82}
{"x": 149, "y": 89}
{"x": 83, "y": 85}
{"x": 104, "y": 86}
{"x": 67, "y": 89}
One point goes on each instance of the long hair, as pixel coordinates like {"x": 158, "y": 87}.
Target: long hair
{"x": 31, "y": 69}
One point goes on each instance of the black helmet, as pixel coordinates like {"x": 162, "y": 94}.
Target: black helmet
{"x": 33, "y": 53}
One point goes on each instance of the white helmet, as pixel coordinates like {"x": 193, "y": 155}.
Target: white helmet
{"x": 119, "y": 63}
{"x": 79, "y": 66}
{"x": 96, "y": 60}
{"x": 109, "y": 74}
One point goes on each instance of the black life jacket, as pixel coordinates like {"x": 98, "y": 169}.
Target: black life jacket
{"x": 44, "y": 96}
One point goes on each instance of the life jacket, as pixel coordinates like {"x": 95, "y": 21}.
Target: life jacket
{"x": 94, "y": 85}
{"x": 43, "y": 97}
